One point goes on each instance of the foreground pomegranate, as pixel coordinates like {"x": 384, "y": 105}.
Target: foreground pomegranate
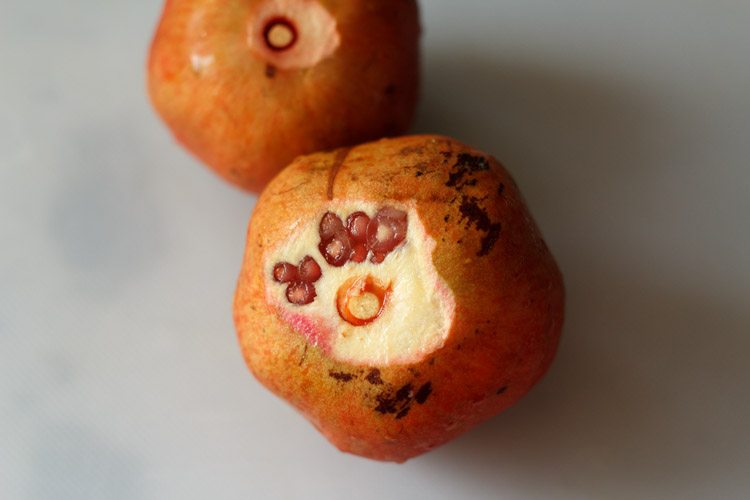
{"x": 397, "y": 293}
{"x": 247, "y": 85}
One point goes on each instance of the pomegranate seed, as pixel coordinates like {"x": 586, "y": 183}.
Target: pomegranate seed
{"x": 301, "y": 293}
{"x": 336, "y": 250}
{"x": 284, "y": 272}
{"x": 330, "y": 226}
{"x": 386, "y": 230}
{"x": 359, "y": 252}
{"x": 356, "y": 224}
{"x": 309, "y": 270}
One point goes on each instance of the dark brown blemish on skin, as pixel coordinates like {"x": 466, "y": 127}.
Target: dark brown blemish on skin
{"x": 385, "y": 405}
{"x": 374, "y": 377}
{"x": 390, "y": 90}
{"x": 502, "y": 390}
{"x": 338, "y": 161}
{"x": 477, "y": 216}
{"x": 466, "y": 165}
{"x": 421, "y": 168}
{"x": 447, "y": 218}
{"x": 341, "y": 376}
{"x": 423, "y": 393}
{"x": 404, "y": 393}
{"x": 403, "y": 413}
{"x": 270, "y": 70}
{"x": 390, "y": 403}
{"x": 489, "y": 240}
{"x": 500, "y": 189}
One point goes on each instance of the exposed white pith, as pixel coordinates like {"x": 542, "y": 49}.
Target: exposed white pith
{"x": 315, "y": 34}
{"x": 416, "y": 318}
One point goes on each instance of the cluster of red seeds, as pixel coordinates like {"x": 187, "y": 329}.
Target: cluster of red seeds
{"x": 340, "y": 243}
{"x": 299, "y": 279}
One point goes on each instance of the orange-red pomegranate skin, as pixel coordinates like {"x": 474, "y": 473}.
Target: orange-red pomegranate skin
{"x": 248, "y": 111}
{"x": 508, "y": 298}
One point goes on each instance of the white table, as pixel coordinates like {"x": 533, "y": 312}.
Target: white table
{"x": 626, "y": 124}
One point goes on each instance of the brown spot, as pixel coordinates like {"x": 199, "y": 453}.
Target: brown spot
{"x": 423, "y": 393}
{"x": 447, "y": 218}
{"x": 419, "y": 173}
{"x": 270, "y": 70}
{"x": 374, "y": 377}
{"x": 500, "y": 189}
{"x": 338, "y": 160}
{"x": 489, "y": 240}
{"x": 466, "y": 165}
{"x": 404, "y": 412}
{"x": 395, "y": 403}
{"x": 341, "y": 376}
{"x": 502, "y": 390}
{"x": 477, "y": 216}
{"x": 385, "y": 405}
{"x": 404, "y": 393}
{"x": 390, "y": 90}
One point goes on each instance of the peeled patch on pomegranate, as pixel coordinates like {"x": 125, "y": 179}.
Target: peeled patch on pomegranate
{"x": 395, "y": 309}
{"x": 292, "y": 34}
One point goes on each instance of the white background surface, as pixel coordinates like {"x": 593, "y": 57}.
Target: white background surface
{"x": 626, "y": 124}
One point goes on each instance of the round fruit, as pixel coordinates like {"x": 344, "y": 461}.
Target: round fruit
{"x": 454, "y": 316}
{"x": 248, "y": 85}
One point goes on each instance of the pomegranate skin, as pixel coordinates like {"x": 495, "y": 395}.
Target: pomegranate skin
{"x": 248, "y": 111}
{"x": 508, "y": 291}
